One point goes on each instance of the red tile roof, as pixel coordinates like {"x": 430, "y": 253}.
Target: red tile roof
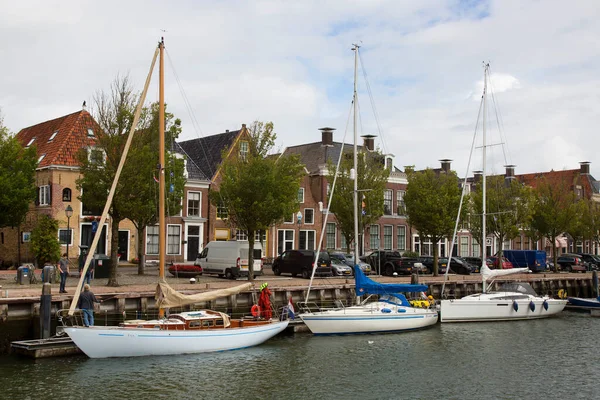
{"x": 572, "y": 177}
{"x": 72, "y": 135}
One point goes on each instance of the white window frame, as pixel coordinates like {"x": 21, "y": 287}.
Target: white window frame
{"x": 92, "y": 150}
{"x": 191, "y": 193}
{"x": 44, "y": 197}
{"x": 53, "y": 136}
{"x": 307, "y": 239}
{"x": 328, "y": 233}
{"x": 30, "y": 142}
{"x": 400, "y": 205}
{"x": 152, "y": 239}
{"x": 171, "y": 237}
{"x": 401, "y": 233}
{"x": 388, "y": 199}
{"x": 282, "y": 245}
{"x": 313, "y": 216}
{"x": 70, "y": 232}
{"x": 244, "y": 146}
{"x": 390, "y": 237}
{"x": 374, "y": 236}
{"x": 301, "y": 195}
{"x": 464, "y": 246}
{"x": 41, "y": 158}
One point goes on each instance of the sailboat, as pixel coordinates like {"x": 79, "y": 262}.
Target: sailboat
{"x": 391, "y": 312}
{"x": 514, "y": 300}
{"x": 182, "y": 333}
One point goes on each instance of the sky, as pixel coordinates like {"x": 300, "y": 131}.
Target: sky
{"x": 420, "y": 76}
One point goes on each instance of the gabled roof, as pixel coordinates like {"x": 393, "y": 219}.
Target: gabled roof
{"x": 205, "y": 153}
{"x": 60, "y": 139}
{"x": 193, "y": 170}
{"x": 572, "y": 176}
{"x": 313, "y": 155}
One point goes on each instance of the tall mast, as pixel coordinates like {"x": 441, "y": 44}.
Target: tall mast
{"x": 483, "y": 227}
{"x": 162, "y": 242}
{"x": 355, "y": 104}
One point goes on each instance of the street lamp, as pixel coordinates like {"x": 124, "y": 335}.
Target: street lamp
{"x": 299, "y": 216}
{"x": 69, "y": 214}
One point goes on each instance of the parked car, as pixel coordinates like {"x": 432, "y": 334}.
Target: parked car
{"x": 592, "y": 260}
{"x": 477, "y": 262}
{"x": 458, "y": 266}
{"x": 572, "y": 263}
{"x": 229, "y": 259}
{"x": 340, "y": 268}
{"x": 389, "y": 262}
{"x": 301, "y": 262}
{"x": 348, "y": 259}
{"x": 474, "y": 267}
{"x": 496, "y": 262}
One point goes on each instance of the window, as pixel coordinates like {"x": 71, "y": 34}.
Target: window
{"x": 330, "y": 236}
{"x": 401, "y": 233}
{"x": 388, "y": 232}
{"x": 307, "y": 240}
{"x": 152, "y": 240}
{"x": 241, "y": 235}
{"x": 464, "y": 246}
{"x": 387, "y": 202}
{"x": 41, "y": 158}
{"x": 193, "y": 206}
{"x": 417, "y": 244}
{"x": 173, "y": 239}
{"x": 65, "y": 236}
{"x": 518, "y": 245}
{"x": 53, "y": 136}
{"x": 301, "y": 195}
{"x": 90, "y": 132}
{"x": 309, "y": 216}
{"x": 95, "y": 156}
{"x": 222, "y": 212}
{"x": 243, "y": 150}
{"x": 66, "y": 194}
{"x": 475, "y": 247}
{"x": 285, "y": 240}
{"x": 400, "y": 207}
{"x": 44, "y": 195}
{"x": 374, "y": 241}
{"x": 30, "y": 142}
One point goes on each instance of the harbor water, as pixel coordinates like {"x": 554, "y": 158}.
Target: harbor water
{"x": 555, "y": 358}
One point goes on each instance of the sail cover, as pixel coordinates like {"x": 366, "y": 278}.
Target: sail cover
{"x": 365, "y": 285}
{"x": 487, "y": 273}
{"x": 167, "y": 297}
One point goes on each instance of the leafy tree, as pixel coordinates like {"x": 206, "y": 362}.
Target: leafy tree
{"x": 17, "y": 178}
{"x": 372, "y": 177}
{"x": 554, "y": 209}
{"x": 258, "y": 190}
{"x": 432, "y": 201}
{"x": 44, "y": 241}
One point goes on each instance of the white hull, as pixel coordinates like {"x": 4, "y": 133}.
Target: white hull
{"x": 482, "y": 308}
{"x": 102, "y": 342}
{"x": 368, "y": 319}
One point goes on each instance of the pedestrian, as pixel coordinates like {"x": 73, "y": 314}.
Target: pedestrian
{"x": 86, "y": 305}
{"x": 63, "y": 266}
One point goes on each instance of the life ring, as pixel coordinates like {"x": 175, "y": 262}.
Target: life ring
{"x": 562, "y": 294}
{"x": 255, "y": 310}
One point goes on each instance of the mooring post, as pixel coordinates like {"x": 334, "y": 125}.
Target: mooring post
{"x": 595, "y": 282}
{"x": 414, "y": 279}
{"x": 45, "y": 307}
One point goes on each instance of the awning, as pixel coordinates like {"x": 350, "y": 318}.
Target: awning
{"x": 561, "y": 242}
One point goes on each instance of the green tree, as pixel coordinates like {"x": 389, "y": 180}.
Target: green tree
{"x": 554, "y": 209}
{"x": 258, "y": 190}
{"x": 44, "y": 241}
{"x": 432, "y": 201}
{"x": 372, "y": 178}
{"x": 17, "y": 178}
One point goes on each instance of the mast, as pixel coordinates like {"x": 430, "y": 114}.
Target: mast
{"x": 355, "y": 209}
{"x": 483, "y": 227}
{"x": 162, "y": 241}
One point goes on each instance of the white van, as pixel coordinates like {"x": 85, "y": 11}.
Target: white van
{"x": 229, "y": 258}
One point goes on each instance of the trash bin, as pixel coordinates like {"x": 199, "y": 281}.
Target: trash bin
{"x": 48, "y": 274}
{"x": 102, "y": 265}
{"x": 23, "y": 277}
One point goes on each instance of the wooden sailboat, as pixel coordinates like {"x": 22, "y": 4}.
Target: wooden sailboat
{"x": 183, "y": 333}
{"x": 513, "y": 301}
{"x": 391, "y": 312}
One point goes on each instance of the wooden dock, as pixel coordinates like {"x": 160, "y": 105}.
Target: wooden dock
{"x": 42, "y": 348}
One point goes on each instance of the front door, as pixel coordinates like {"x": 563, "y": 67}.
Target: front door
{"x": 87, "y": 236}
{"x": 123, "y": 245}
{"x": 193, "y": 242}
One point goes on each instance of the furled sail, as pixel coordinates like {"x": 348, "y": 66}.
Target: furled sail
{"x": 365, "y": 285}
{"x": 167, "y": 297}
{"x": 487, "y": 273}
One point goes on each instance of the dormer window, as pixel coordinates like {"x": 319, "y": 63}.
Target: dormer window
{"x": 90, "y": 132}
{"x": 41, "y": 158}
{"x": 95, "y": 156}
{"x": 53, "y": 136}
{"x": 30, "y": 142}
{"x": 243, "y": 150}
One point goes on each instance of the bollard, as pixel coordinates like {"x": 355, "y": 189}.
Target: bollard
{"x": 595, "y": 282}
{"x": 414, "y": 279}
{"x": 45, "y": 310}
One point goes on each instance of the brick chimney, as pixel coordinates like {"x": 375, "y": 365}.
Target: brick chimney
{"x": 584, "y": 168}
{"x": 477, "y": 176}
{"x": 369, "y": 142}
{"x": 509, "y": 175}
{"x": 327, "y": 136}
{"x": 446, "y": 164}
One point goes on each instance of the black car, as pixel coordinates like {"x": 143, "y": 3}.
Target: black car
{"x": 458, "y": 265}
{"x": 572, "y": 263}
{"x": 301, "y": 262}
{"x": 592, "y": 260}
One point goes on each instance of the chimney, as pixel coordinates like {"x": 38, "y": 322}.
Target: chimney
{"x": 369, "y": 142}
{"x": 477, "y": 176}
{"x": 584, "y": 168}
{"x": 243, "y": 126}
{"x": 409, "y": 168}
{"x": 226, "y": 130}
{"x": 445, "y": 165}
{"x": 327, "y": 136}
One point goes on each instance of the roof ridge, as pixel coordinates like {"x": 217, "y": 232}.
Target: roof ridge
{"x": 53, "y": 119}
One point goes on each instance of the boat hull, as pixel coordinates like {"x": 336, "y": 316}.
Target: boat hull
{"x": 473, "y": 310}
{"x": 587, "y": 304}
{"x": 359, "y": 319}
{"x": 104, "y": 342}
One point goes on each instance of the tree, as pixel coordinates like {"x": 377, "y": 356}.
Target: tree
{"x": 372, "y": 177}
{"x": 17, "y": 178}
{"x": 554, "y": 209}
{"x": 258, "y": 190}
{"x": 44, "y": 241}
{"x": 432, "y": 201}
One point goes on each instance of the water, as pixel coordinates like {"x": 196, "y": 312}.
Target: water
{"x": 554, "y": 358}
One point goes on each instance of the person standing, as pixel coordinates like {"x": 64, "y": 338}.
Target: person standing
{"x": 86, "y": 305}
{"x": 63, "y": 266}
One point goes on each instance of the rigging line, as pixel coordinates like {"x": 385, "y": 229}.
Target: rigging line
{"x": 194, "y": 120}
{"x": 372, "y": 99}
{"x": 462, "y": 195}
{"x": 337, "y": 168}
{"x": 500, "y": 122}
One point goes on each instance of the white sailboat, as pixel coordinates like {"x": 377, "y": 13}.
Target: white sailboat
{"x": 391, "y": 312}
{"x": 513, "y": 301}
{"x": 183, "y": 333}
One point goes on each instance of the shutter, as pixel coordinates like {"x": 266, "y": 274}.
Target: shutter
{"x": 50, "y": 193}
{"x": 37, "y": 197}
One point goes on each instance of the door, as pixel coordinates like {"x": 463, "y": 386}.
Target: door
{"x": 87, "y": 236}
{"x": 123, "y": 245}
{"x": 193, "y": 242}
